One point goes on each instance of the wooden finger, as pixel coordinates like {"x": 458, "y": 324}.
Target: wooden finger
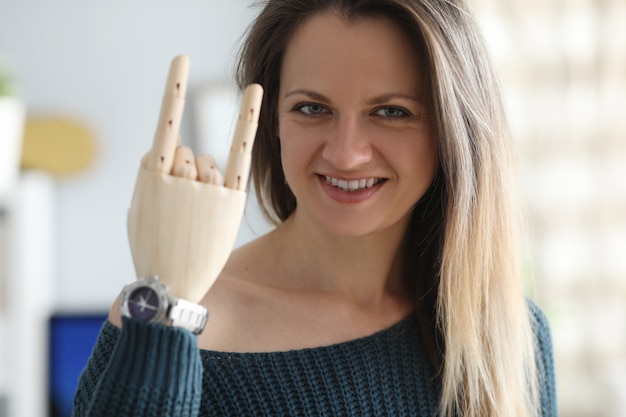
{"x": 184, "y": 165}
{"x": 145, "y": 159}
{"x": 208, "y": 171}
{"x": 166, "y": 135}
{"x": 238, "y": 168}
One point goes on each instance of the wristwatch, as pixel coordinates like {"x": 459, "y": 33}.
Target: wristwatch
{"x": 148, "y": 299}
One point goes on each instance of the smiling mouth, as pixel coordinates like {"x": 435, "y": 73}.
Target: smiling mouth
{"x": 353, "y": 185}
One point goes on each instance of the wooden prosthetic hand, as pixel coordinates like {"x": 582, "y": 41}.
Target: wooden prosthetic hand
{"x": 182, "y": 223}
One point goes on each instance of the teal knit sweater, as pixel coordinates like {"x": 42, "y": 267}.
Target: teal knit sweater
{"x": 151, "y": 370}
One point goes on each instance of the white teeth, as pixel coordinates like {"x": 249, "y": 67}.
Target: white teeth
{"x": 352, "y": 185}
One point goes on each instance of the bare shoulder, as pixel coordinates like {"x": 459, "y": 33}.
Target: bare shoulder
{"x": 237, "y": 302}
{"x": 252, "y": 308}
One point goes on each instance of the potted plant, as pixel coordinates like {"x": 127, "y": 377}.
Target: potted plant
{"x": 12, "y": 117}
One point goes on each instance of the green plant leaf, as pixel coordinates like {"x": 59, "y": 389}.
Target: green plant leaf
{"x": 7, "y": 88}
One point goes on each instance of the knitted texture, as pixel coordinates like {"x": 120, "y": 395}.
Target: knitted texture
{"x": 152, "y": 370}
{"x": 155, "y": 373}
{"x": 381, "y": 375}
{"x": 545, "y": 361}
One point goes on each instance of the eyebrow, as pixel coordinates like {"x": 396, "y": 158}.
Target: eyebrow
{"x": 376, "y": 100}
{"x": 309, "y": 93}
{"x": 388, "y": 97}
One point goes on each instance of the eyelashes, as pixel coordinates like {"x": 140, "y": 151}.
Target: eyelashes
{"x": 310, "y": 109}
{"x": 315, "y": 110}
{"x": 393, "y": 112}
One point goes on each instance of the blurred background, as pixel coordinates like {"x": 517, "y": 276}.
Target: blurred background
{"x": 81, "y": 85}
{"x": 563, "y": 68}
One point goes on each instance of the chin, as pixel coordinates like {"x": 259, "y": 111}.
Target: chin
{"x": 351, "y": 226}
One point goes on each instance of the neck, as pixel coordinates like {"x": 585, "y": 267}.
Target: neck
{"x": 364, "y": 270}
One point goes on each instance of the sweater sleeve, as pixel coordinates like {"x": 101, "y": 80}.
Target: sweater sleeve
{"x": 545, "y": 361}
{"x": 142, "y": 370}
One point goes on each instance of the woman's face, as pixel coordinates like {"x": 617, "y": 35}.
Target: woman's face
{"x": 357, "y": 146}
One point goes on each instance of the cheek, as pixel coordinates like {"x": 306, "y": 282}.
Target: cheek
{"x": 286, "y": 148}
{"x": 287, "y": 158}
{"x": 292, "y": 160}
{"x": 413, "y": 151}
{"x": 298, "y": 148}
{"x": 427, "y": 158}
{"x": 426, "y": 152}
{"x": 418, "y": 163}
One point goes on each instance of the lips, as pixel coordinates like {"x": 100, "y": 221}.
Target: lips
{"x": 352, "y": 185}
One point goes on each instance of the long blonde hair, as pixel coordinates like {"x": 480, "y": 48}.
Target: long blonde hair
{"x": 461, "y": 253}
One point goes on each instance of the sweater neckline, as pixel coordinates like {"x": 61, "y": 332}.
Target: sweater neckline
{"x": 404, "y": 325}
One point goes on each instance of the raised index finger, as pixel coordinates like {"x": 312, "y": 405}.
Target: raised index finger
{"x": 166, "y": 134}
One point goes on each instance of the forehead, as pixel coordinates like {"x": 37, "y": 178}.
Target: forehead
{"x": 372, "y": 50}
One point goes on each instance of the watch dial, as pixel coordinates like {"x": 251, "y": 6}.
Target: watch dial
{"x": 143, "y": 303}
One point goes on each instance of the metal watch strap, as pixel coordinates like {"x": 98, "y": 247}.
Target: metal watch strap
{"x": 168, "y": 310}
{"x": 188, "y": 315}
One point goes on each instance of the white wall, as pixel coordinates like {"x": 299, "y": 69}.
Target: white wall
{"x": 105, "y": 63}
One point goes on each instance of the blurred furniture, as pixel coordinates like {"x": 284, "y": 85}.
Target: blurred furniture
{"x": 26, "y": 294}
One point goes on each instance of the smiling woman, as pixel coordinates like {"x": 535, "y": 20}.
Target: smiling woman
{"x": 353, "y": 113}
{"x": 390, "y": 284}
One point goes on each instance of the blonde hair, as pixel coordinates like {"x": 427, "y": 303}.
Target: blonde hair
{"x": 461, "y": 253}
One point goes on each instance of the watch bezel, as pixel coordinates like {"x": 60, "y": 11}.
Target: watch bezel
{"x": 159, "y": 289}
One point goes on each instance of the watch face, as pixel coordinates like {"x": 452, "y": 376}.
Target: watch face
{"x": 143, "y": 303}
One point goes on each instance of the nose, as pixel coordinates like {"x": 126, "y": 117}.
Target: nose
{"x": 348, "y": 146}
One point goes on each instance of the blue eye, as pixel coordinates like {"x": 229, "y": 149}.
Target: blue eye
{"x": 392, "y": 112}
{"x": 310, "y": 109}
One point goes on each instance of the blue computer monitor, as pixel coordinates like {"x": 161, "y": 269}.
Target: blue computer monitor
{"x": 71, "y": 337}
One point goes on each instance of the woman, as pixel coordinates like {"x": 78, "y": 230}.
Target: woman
{"x": 390, "y": 285}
